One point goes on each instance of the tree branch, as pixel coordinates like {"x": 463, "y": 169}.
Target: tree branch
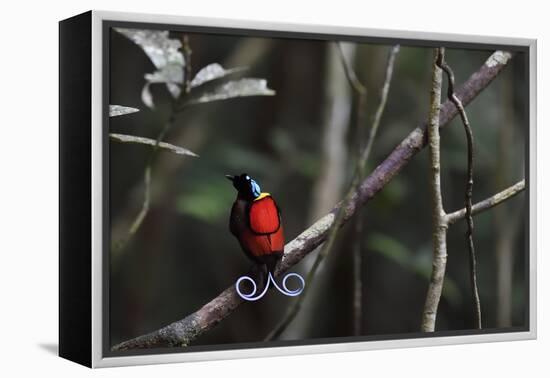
{"x": 358, "y": 242}
{"x": 487, "y": 203}
{"x": 186, "y": 50}
{"x": 183, "y": 331}
{"x": 381, "y": 106}
{"x": 469, "y": 187}
{"x": 439, "y": 226}
{"x": 350, "y": 72}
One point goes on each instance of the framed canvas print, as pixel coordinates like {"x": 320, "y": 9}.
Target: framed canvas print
{"x": 233, "y": 189}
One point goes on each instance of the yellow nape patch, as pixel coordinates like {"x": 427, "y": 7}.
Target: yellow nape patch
{"x": 262, "y": 195}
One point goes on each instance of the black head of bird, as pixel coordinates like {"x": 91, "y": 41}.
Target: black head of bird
{"x": 246, "y": 186}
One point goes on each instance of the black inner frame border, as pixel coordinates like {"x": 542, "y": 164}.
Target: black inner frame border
{"x": 107, "y": 25}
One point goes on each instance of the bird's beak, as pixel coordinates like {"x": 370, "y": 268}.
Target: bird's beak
{"x": 230, "y": 178}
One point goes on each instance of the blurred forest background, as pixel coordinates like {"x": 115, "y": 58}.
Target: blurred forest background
{"x": 299, "y": 145}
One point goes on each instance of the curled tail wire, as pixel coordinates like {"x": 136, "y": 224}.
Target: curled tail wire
{"x": 270, "y": 279}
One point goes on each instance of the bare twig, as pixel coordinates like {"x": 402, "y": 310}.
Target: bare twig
{"x": 183, "y": 331}
{"x": 350, "y": 73}
{"x": 361, "y": 95}
{"x": 363, "y": 158}
{"x": 439, "y": 227}
{"x": 186, "y": 50}
{"x": 122, "y": 138}
{"x": 380, "y": 110}
{"x": 144, "y": 209}
{"x": 469, "y": 186}
{"x": 487, "y": 203}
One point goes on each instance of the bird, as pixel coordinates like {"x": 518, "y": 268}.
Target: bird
{"x": 255, "y": 221}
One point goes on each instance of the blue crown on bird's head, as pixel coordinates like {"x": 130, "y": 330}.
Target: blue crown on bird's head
{"x": 247, "y": 187}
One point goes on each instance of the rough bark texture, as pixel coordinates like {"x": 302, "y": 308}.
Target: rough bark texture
{"x": 187, "y": 329}
{"x": 439, "y": 226}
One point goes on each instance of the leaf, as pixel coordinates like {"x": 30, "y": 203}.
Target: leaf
{"x": 118, "y": 110}
{"x": 156, "y": 45}
{"x": 147, "y": 96}
{"x": 166, "y": 56}
{"x": 170, "y": 74}
{"x": 212, "y": 72}
{"x": 237, "y": 88}
{"x": 123, "y": 138}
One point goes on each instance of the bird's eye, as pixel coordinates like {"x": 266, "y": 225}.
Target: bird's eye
{"x": 247, "y": 177}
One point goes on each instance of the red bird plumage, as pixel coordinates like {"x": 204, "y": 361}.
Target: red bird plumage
{"x": 256, "y": 222}
{"x": 265, "y": 234}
